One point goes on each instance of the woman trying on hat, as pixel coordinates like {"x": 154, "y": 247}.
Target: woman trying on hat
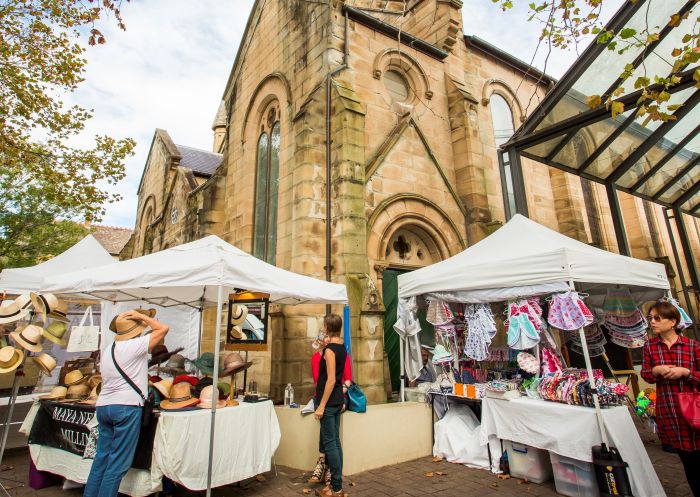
{"x": 119, "y": 406}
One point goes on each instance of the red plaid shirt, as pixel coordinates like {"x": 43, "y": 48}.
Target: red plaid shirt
{"x": 685, "y": 352}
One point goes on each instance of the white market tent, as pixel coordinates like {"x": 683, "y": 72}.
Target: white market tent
{"x": 196, "y": 274}
{"x": 87, "y": 253}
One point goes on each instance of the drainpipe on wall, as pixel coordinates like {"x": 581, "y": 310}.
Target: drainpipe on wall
{"x": 329, "y": 77}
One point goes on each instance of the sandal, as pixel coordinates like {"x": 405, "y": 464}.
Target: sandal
{"x": 317, "y": 476}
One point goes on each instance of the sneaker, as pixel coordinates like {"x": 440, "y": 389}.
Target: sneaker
{"x": 319, "y": 472}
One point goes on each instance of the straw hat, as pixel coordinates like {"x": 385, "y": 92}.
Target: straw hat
{"x": 28, "y": 337}
{"x": 175, "y": 365}
{"x": 94, "y": 380}
{"x": 238, "y": 314}
{"x": 75, "y": 377}
{"x": 10, "y": 359}
{"x": 233, "y": 363}
{"x": 160, "y": 354}
{"x": 47, "y": 304}
{"x": 180, "y": 396}
{"x": 126, "y": 328}
{"x": 14, "y": 310}
{"x": 57, "y": 392}
{"x": 237, "y": 333}
{"x": 205, "y": 398}
{"x": 45, "y": 362}
{"x": 55, "y": 332}
{"x": 163, "y": 386}
{"x": 78, "y": 392}
{"x": 151, "y": 313}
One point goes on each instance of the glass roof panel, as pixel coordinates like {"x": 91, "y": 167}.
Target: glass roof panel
{"x": 682, "y": 186}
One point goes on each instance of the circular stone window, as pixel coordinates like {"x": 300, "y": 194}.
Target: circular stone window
{"x": 396, "y": 85}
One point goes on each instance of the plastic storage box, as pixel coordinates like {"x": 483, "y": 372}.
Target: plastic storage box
{"x": 528, "y": 463}
{"x": 573, "y": 477}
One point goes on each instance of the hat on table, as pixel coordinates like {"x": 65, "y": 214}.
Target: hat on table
{"x": 47, "y": 304}
{"x": 175, "y": 365}
{"x": 78, "y": 392}
{"x": 58, "y": 392}
{"x": 233, "y": 363}
{"x": 160, "y": 354}
{"x": 14, "y": 310}
{"x": 163, "y": 387}
{"x": 10, "y": 358}
{"x": 201, "y": 384}
{"x": 224, "y": 389}
{"x": 205, "y": 363}
{"x": 180, "y": 396}
{"x": 55, "y": 332}
{"x": 28, "y": 337}
{"x": 205, "y": 398}
{"x": 46, "y": 362}
{"x": 75, "y": 377}
{"x": 238, "y": 314}
{"x": 192, "y": 380}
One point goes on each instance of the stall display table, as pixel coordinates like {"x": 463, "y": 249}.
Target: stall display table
{"x": 571, "y": 431}
{"x": 247, "y": 437}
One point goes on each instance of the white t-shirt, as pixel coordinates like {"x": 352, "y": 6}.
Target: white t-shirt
{"x": 132, "y": 357}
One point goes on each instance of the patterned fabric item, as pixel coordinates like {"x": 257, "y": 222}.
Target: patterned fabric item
{"x": 619, "y": 301}
{"x": 673, "y": 429}
{"x": 439, "y": 313}
{"x": 685, "y": 319}
{"x": 528, "y": 362}
{"x": 481, "y": 329}
{"x": 550, "y": 362}
{"x": 566, "y": 313}
{"x": 630, "y": 321}
{"x": 91, "y": 446}
{"x": 522, "y": 334}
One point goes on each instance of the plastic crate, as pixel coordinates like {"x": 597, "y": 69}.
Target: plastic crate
{"x": 573, "y": 477}
{"x": 528, "y": 463}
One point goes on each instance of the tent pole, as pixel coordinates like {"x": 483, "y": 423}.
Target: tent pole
{"x": 591, "y": 380}
{"x": 215, "y": 396}
{"x": 402, "y": 372}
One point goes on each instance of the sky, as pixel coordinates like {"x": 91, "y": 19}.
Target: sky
{"x": 169, "y": 68}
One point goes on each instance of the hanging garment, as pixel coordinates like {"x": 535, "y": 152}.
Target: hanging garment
{"x": 439, "y": 313}
{"x": 522, "y": 334}
{"x": 566, "y": 313}
{"x": 619, "y": 301}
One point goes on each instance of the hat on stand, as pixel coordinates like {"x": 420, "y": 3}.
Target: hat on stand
{"x": 58, "y": 392}
{"x": 205, "y": 398}
{"x": 238, "y": 314}
{"x": 10, "y": 358}
{"x": 28, "y": 337}
{"x": 160, "y": 354}
{"x": 180, "y": 396}
{"x": 78, "y": 392}
{"x": 163, "y": 387}
{"x": 201, "y": 385}
{"x": 233, "y": 363}
{"x": 46, "y": 362}
{"x": 205, "y": 363}
{"x": 175, "y": 365}
{"x": 192, "y": 380}
{"x": 75, "y": 377}
{"x": 47, "y": 304}
{"x": 55, "y": 332}
{"x": 126, "y": 328}
{"x": 14, "y": 310}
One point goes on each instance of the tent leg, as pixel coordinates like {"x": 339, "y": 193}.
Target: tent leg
{"x": 402, "y": 372}
{"x": 217, "y": 347}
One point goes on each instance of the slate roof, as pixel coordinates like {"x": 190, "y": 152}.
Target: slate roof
{"x": 201, "y": 162}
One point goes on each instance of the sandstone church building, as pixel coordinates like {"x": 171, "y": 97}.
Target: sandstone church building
{"x": 357, "y": 140}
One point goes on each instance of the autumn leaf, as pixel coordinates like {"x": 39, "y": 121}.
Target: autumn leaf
{"x": 594, "y": 101}
{"x": 440, "y": 473}
{"x": 616, "y": 108}
{"x": 306, "y": 491}
{"x": 260, "y": 478}
{"x": 437, "y": 459}
{"x": 430, "y": 474}
{"x": 675, "y": 21}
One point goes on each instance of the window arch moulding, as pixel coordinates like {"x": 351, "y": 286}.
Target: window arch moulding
{"x": 396, "y": 60}
{"x": 271, "y": 87}
{"x": 500, "y": 87}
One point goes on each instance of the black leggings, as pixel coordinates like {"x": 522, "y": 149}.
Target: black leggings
{"x": 691, "y": 465}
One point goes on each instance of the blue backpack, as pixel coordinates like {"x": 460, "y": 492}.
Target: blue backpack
{"x": 357, "y": 400}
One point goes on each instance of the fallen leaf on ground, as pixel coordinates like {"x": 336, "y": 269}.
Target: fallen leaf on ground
{"x": 503, "y": 477}
{"x": 437, "y": 459}
{"x": 440, "y": 473}
{"x": 306, "y": 491}
{"x": 260, "y": 478}
{"x": 352, "y": 483}
{"x": 523, "y": 482}
{"x": 494, "y": 485}
{"x": 429, "y": 474}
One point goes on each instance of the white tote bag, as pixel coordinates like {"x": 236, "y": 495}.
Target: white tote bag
{"x": 84, "y": 338}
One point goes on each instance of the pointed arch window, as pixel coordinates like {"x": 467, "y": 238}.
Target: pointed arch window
{"x": 503, "y": 129}
{"x": 267, "y": 189}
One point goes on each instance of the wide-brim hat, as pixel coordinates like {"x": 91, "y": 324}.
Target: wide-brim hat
{"x": 205, "y": 363}
{"x": 47, "y": 304}
{"x": 151, "y": 313}
{"x": 14, "y": 310}
{"x": 57, "y": 393}
{"x": 163, "y": 386}
{"x": 238, "y": 314}
{"x": 10, "y": 358}
{"x": 46, "y": 362}
{"x": 237, "y": 333}
{"x": 160, "y": 354}
{"x": 55, "y": 332}
{"x": 205, "y": 398}
{"x": 233, "y": 363}
{"x": 29, "y": 337}
{"x": 125, "y": 328}
{"x": 94, "y": 380}
{"x": 175, "y": 365}
{"x": 78, "y": 392}
{"x": 179, "y": 397}
{"x": 74, "y": 377}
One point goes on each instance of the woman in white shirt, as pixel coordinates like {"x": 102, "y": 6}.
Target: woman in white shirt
{"x": 119, "y": 406}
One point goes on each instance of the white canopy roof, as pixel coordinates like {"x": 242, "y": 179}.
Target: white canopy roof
{"x": 525, "y": 258}
{"x": 85, "y": 254}
{"x": 187, "y": 273}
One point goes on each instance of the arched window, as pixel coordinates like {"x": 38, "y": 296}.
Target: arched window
{"x": 503, "y": 129}
{"x": 266, "y": 189}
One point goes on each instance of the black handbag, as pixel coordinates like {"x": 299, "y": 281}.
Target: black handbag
{"x": 148, "y": 402}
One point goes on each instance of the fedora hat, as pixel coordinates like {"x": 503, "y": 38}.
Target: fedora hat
{"x": 237, "y": 333}
{"x": 126, "y": 328}
{"x": 163, "y": 386}
{"x": 233, "y": 363}
{"x": 238, "y": 314}
{"x": 55, "y": 332}
{"x": 160, "y": 354}
{"x": 94, "y": 380}
{"x": 45, "y": 362}
{"x": 175, "y": 365}
{"x": 78, "y": 392}
{"x": 151, "y": 313}
{"x": 14, "y": 310}
{"x": 47, "y": 304}
{"x": 10, "y": 359}
{"x": 28, "y": 337}
{"x": 74, "y": 377}
{"x": 180, "y": 396}
{"x": 57, "y": 392}
{"x": 205, "y": 398}
{"x": 205, "y": 363}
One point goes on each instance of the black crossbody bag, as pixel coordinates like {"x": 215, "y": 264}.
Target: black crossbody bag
{"x": 147, "y": 415}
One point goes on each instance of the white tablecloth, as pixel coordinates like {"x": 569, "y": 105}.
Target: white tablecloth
{"x": 246, "y": 438}
{"x": 571, "y": 431}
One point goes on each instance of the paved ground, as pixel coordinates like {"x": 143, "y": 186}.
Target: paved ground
{"x": 407, "y": 479}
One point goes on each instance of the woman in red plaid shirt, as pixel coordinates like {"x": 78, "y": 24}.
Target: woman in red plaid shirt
{"x": 672, "y": 361}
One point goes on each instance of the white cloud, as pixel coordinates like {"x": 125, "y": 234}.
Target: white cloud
{"x": 168, "y": 70}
